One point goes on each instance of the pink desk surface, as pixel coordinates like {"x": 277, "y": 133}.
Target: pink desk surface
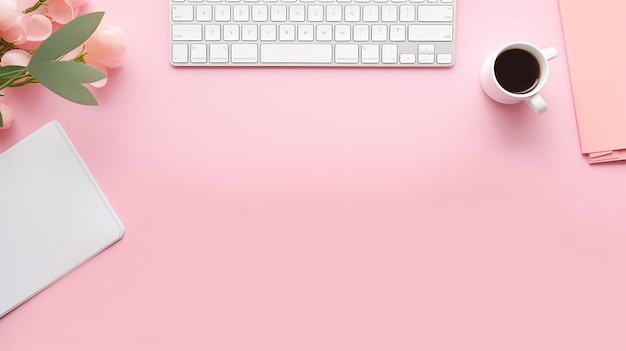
{"x": 335, "y": 209}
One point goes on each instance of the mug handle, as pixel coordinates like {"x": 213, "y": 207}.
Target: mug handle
{"x": 537, "y": 103}
{"x": 549, "y": 53}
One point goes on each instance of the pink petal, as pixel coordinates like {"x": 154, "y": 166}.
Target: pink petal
{"x": 100, "y": 83}
{"x": 8, "y": 14}
{"x": 60, "y": 11}
{"x": 75, "y": 3}
{"x": 15, "y": 57}
{"x": 39, "y": 28}
{"x": 7, "y": 116}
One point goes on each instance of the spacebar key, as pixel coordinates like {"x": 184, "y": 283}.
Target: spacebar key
{"x": 296, "y": 53}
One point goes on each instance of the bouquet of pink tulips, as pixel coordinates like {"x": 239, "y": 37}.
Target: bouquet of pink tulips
{"x": 48, "y": 43}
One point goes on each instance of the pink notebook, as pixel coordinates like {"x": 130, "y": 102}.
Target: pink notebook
{"x": 594, "y": 39}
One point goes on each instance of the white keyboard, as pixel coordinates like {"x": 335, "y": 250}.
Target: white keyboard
{"x": 380, "y": 33}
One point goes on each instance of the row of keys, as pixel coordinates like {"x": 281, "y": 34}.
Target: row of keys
{"x": 309, "y": 32}
{"x": 304, "y": 54}
{"x": 312, "y": 13}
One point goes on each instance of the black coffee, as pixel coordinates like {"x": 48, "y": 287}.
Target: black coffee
{"x": 517, "y": 71}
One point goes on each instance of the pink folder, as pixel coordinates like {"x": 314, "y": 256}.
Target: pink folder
{"x": 594, "y": 33}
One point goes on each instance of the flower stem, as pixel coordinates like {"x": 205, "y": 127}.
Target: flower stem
{"x": 81, "y": 57}
{"x": 34, "y": 7}
{"x": 27, "y": 80}
{"x": 19, "y": 75}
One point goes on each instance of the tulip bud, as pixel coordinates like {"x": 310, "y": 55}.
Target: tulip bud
{"x": 6, "y": 116}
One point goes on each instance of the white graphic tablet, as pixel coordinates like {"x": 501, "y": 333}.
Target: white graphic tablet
{"x": 53, "y": 216}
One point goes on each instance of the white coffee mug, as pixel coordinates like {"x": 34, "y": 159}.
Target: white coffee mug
{"x": 517, "y": 72}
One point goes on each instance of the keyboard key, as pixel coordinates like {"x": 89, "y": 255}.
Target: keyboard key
{"x": 342, "y": 32}
{"x": 249, "y": 32}
{"x": 182, "y": 13}
{"x": 222, "y": 13}
{"x": 296, "y": 53}
{"x": 397, "y": 32}
{"x": 379, "y": 32}
{"x": 352, "y": 13}
{"x": 241, "y": 13}
{"x": 316, "y": 13}
{"x": 180, "y": 53}
{"x": 333, "y": 13}
{"x": 444, "y": 58}
{"x": 203, "y": 13}
{"x": 430, "y": 32}
{"x": 370, "y": 53}
{"x": 231, "y": 32}
{"x": 390, "y": 53}
{"x": 407, "y": 13}
{"x": 278, "y": 13}
{"x": 287, "y": 32}
{"x": 305, "y": 32}
{"x": 296, "y": 13}
{"x": 268, "y": 32}
{"x": 346, "y": 53}
{"x": 189, "y": 32}
{"x": 218, "y": 53}
{"x": 361, "y": 32}
{"x": 407, "y": 58}
{"x": 199, "y": 53}
{"x": 259, "y": 13}
{"x": 426, "y": 58}
{"x": 426, "y": 49}
{"x": 370, "y": 13}
{"x": 212, "y": 32}
{"x": 435, "y": 13}
{"x": 244, "y": 53}
{"x": 324, "y": 32}
{"x": 389, "y": 13}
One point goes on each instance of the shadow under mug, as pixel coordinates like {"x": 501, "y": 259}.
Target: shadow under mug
{"x": 516, "y": 73}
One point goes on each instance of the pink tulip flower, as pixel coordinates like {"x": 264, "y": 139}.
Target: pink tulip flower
{"x": 104, "y": 50}
{"x": 106, "y": 46}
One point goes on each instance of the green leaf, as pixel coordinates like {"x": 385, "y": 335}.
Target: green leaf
{"x": 1, "y": 123}
{"x": 66, "y": 79}
{"x": 9, "y": 72}
{"x": 67, "y": 38}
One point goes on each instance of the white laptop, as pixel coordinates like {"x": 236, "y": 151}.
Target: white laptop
{"x": 53, "y": 216}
